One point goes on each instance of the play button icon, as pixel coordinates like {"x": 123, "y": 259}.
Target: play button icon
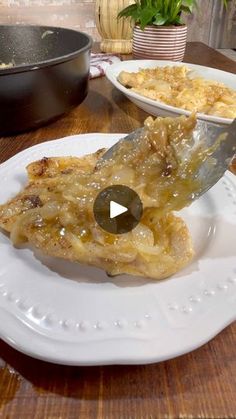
{"x": 118, "y": 209}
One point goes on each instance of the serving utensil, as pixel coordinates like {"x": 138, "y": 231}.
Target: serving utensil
{"x": 205, "y": 136}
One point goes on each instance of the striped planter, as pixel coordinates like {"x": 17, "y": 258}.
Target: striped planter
{"x": 160, "y": 42}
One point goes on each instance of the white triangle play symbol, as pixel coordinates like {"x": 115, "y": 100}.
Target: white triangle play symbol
{"x": 116, "y": 209}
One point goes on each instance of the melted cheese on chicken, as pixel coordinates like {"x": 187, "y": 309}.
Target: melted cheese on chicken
{"x": 55, "y": 210}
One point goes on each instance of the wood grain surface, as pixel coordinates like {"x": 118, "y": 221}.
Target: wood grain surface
{"x": 201, "y": 384}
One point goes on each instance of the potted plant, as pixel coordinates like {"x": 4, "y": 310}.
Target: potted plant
{"x": 159, "y": 32}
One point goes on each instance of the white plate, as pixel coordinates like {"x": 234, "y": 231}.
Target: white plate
{"x": 72, "y": 314}
{"x": 156, "y": 108}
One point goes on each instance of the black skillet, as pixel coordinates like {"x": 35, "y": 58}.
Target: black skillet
{"x": 48, "y": 74}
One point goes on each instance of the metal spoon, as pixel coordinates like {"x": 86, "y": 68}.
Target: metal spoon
{"x": 205, "y": 134}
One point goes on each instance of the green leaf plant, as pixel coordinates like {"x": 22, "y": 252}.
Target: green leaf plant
{"x": 159, "y": 12}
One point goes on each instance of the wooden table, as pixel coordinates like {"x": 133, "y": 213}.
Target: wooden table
{"x": 201, "y": 384}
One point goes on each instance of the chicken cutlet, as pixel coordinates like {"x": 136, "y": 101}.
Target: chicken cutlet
{"x": 55, "y": 210}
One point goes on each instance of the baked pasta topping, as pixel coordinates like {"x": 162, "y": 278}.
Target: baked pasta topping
{"x": 178, "y": 86}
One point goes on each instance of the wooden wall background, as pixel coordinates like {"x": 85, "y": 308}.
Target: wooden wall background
{"x": 79, "y": 14}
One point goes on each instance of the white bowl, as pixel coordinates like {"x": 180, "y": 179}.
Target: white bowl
{"x": 157, "y": 108}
